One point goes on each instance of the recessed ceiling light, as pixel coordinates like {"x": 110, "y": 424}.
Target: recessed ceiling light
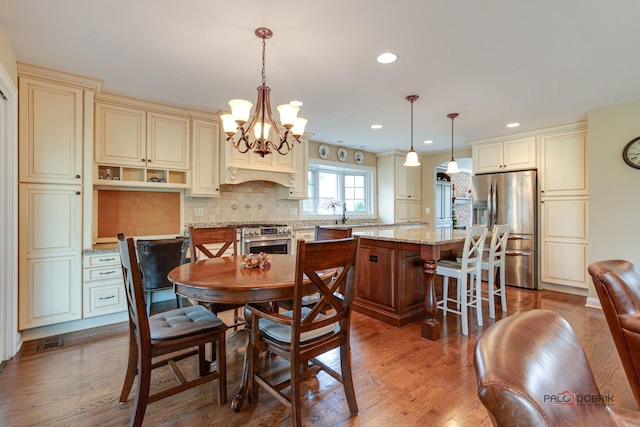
{"x": 513, "y": 125}
{"x": 387, "y": 58}
{"x": 376, "y": 126}
{"x": 296, "y": 103}
{"x": 428, "y": 141}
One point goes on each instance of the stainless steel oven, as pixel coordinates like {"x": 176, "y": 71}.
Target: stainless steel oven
{"x": 270, "y": 239}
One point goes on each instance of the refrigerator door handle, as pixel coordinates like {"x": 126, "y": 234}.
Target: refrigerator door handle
{"x": 518, "y": 253}
{"x": 519, "y": 238}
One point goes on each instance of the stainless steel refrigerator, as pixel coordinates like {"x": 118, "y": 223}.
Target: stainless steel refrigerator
{"x": 511, "y": 198}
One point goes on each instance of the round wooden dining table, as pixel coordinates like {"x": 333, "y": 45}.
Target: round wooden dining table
{"x": 222, "y": 280}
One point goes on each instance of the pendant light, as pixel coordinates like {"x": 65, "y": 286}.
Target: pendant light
{"x": 452, "y": 167}
{"x": 412, "y": 156}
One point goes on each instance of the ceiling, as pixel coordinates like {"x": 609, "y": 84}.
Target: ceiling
{"x": 539, "y": 63}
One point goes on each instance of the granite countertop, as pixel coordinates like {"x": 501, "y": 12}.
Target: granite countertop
{"x": 421, "y": 235}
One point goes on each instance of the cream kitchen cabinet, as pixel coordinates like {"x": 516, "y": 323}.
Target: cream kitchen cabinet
{"x": 399, "y": 190}
{"x": 564, "y": 241}
{"x": 51, "y": 132}
{"x": 407, "y": 180}
{"x": 130, "y": 136}
{"x": 103, "y": 285}
{"x": 288, "y": 170}
{"x": 50, "y": 254}
{"x": 563, "y": 164}
{"x": 205, "y": 147}
{"x": 499, "y": 156}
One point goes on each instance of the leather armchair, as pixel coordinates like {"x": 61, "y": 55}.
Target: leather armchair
{"x": 617, "y": 283}
{"x": 531, "y": 370}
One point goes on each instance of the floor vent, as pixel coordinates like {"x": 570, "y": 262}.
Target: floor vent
{"x": 50, "y": 342}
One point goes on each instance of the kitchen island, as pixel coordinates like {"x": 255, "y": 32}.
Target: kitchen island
{"x": 395, "y": 274}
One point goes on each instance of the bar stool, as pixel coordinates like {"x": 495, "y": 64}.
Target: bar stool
{"x": 471, "y": 261}
{"x": 496, "y": 259}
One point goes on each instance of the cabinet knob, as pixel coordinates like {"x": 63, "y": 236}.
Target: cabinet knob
{"x": 78, "y": 176}
{"x": 142, "y": 160}
{"x": 148, "y": 160}
{"x": 77, "y": 193}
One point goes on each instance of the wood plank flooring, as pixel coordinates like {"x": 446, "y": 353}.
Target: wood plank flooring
{"x": 400, "y": 378}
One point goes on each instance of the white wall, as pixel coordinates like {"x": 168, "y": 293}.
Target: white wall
{"x": 614, "y": 187}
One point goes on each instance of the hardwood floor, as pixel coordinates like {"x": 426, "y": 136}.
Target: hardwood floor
{"x": 401, "y": 379}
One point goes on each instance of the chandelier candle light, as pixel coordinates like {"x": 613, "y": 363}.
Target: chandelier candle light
{"x": 452, "y": 167}
{"x": 412, "y": 156}
{"x": 262, "y": 121}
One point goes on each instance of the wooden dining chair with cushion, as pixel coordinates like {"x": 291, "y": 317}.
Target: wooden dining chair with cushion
{"x": 213, "y": 243}
{"x": 617, "y": 283}
{"x": 470, "y": 263}
{"x": 304, "y": 333}
{"x": 164, "y": 339}
{"x": 531, "y": 370}
{"x": 492, "y": 264}
{"x": 328, "y": 233}
{"x": 156, "y": 259}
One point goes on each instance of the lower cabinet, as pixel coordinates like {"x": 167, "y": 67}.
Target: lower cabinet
{"x": 49, "y": 254}
{"x": 103, "y": 285}
{"x": 389, "y": 282}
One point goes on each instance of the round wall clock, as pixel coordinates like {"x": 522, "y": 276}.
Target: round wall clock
{"x": 358, "y": 157}
{"x": 631, "y": 153}
{"x": 342, "y": 154}
{"x": 323, "y": 151}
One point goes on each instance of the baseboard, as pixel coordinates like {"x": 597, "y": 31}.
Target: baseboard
{"x": 564, "y": 289}
{"x": 593, "y": 303}
{"x": 76, "y": 325}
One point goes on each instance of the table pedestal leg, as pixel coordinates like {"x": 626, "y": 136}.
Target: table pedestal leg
{"x": 238, "y": 401}
{"x": 430, "y": 325}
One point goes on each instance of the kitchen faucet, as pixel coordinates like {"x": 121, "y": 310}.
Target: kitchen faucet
{"x": 344, "y": 212}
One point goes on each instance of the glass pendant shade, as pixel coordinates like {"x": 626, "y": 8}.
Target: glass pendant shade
{"x": 240, "y": 110}
{"x": 288, "y": 115}
{"x": 229, "y": 124}
{"x": 452, "y": 167}
{"x": 257, "y": 130}
{"x": 298, "y": 126}
{"x": 412, "y": 159}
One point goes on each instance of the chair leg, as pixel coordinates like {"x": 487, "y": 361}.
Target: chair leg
{"x": 445, "y": 295}
{"x": 142, "y": 393}
{"x": 347, "y": 377}
{"x": 132, "y": 367}
{"x": 462, "y": 283}
{"x": 479, "y": 299}
{"x": 148, "y": 303}
{"x": 221, "y": 367}
{"x": 294, "y": 368}
{"x": 503, "y": 292}
{"x": 492, "y": 292}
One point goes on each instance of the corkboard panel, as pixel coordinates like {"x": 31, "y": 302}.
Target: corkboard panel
{"x": 138, "y": 213}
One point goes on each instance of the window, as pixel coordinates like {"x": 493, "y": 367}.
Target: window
{"x": 331, "y": 187}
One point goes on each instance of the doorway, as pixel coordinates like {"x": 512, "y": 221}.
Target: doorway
{"x": 452, "y": 195}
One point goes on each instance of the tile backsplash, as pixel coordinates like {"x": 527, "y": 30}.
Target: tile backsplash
{"x": 247, "y": 202}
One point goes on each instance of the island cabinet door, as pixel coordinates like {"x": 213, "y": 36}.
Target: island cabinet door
{"x": 411, "y": 286}
{"x": 375, "y": 287}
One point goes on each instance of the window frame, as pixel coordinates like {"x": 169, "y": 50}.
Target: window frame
{"x": 370, "y": 177}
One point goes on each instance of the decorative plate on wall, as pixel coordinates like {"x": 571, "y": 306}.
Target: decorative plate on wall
{"x": 342, "y": 154}
{"x": 358, "y": 157}
{"x": 324, "y": 151}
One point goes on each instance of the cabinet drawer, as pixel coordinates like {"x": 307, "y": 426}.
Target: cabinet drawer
{"x": 108, "y": 272}
{"x": 101, "y": 260}
{"x": 103, "y": 298}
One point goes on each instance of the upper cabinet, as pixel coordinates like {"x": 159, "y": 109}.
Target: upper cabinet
{"x": 205, "y": 173}
{"x": 131, "y": 136}
{"x": 504, "y": 155}
{"x": 563, "y": 164}
{"x": 399, "y": 190}
{"x": 51, "y": 132}
{"x": 288, "y": 170}
{"x": 407, "y": 180}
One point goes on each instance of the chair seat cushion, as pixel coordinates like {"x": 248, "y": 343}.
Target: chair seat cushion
{"x": 311, "y": 299}
{"x": 182, "y": 321}
{"x": 282, "y": 332}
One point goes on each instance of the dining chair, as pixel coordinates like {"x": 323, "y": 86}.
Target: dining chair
{"x": 617, "y": 283}
{"x": 531, "y": 370}
{"x": 328, "y": 233}
{"x": 470, "y": 262}
{"x": 495, "y": 261}
{"x": 165, "y": 338}
{"x": 213, "y": 243}
{"x": 304, "y": 333}
{"x": 156, "y": 259}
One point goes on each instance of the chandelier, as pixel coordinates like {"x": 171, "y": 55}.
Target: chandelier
{"x": 262, "y": 121}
